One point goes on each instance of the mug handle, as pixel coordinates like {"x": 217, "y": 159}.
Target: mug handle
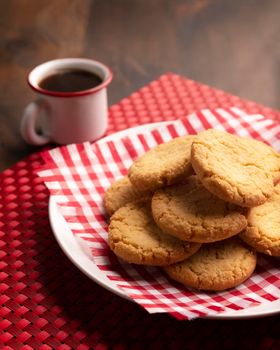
{"x": 28, "y": 124}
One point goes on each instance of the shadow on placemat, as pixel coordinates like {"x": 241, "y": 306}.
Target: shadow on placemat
{"x": 91, "y": 315}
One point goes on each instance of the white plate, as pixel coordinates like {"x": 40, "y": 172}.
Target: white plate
{"x": 77, "y": 255}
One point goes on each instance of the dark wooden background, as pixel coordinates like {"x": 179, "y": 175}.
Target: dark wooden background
{"x": 232, "y": 45}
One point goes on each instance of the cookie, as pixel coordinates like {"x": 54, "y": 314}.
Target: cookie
{"x": 190, "y": 212}
{"x": 263, "y": 230}
{"x": 163, "y": 165}
{"x": 237, "y": 170}
{"x": 120, "y": 193}
{"x": 134, "y": 237}
{"x": 216, "y": 266}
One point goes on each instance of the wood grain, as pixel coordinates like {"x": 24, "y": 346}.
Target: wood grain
{"x": 232, "y": 45}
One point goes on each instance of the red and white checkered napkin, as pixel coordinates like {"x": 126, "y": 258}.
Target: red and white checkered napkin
{"x": 78, "y": 175}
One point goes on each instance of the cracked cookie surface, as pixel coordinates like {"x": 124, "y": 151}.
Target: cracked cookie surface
{"x": 237, "y": 170}
{"x": 190, "y": 212}
{"x": 163, "y": 165}
{"x": 134, "y": 236}
{"x": 216, "y": 266}
{"x": 263, "y": 230}
{"x": 120, "y": 193}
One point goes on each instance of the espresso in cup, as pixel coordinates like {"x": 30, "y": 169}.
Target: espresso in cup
{"x": 70, "y": 81}
{"x": 72, "y": 102}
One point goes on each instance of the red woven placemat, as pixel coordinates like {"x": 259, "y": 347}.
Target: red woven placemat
{"x": 47, "y": 303}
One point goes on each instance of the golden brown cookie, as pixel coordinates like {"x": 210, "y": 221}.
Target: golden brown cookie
{"x": 134, "y": 237}
{"x": 263, "y": 230}
{"x": 120, "y": 193}
{"x": 237, "y": 170}
{"x": 163, "y": 165}
{"x": 216, "y": 266}
{"x": 192, "y": 213}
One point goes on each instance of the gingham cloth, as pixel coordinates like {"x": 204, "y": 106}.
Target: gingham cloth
{"x": 78, "y": 175}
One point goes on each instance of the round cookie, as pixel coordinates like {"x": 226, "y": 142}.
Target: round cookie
{"x": 216, "y": 266}
{"x": 190, "y": 212}
{"x": 120, "y": 193}
{"x": 263, "y": 230}
{"x": 134, "y": 237}
{"x": 163, "y": 165}
{"x": 237, "y": 170}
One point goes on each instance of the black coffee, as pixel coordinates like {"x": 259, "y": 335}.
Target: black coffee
{"x": 70, "y": 81}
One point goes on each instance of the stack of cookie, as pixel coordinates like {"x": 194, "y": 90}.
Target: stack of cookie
{"x": 199, "y": 206}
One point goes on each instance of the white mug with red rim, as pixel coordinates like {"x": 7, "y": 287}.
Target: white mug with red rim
{"x": 67, "y": 117}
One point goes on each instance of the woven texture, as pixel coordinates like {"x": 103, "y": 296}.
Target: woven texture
{"x": 78, "y": 176}
{"x": 38, "y": 311}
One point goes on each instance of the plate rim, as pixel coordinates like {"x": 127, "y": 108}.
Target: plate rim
{"x": 69, "y": 245}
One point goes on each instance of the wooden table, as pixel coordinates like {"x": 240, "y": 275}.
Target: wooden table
{"x": 232, "y": 45}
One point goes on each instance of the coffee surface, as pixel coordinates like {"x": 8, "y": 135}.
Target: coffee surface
{"x": 70, "y": 81}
